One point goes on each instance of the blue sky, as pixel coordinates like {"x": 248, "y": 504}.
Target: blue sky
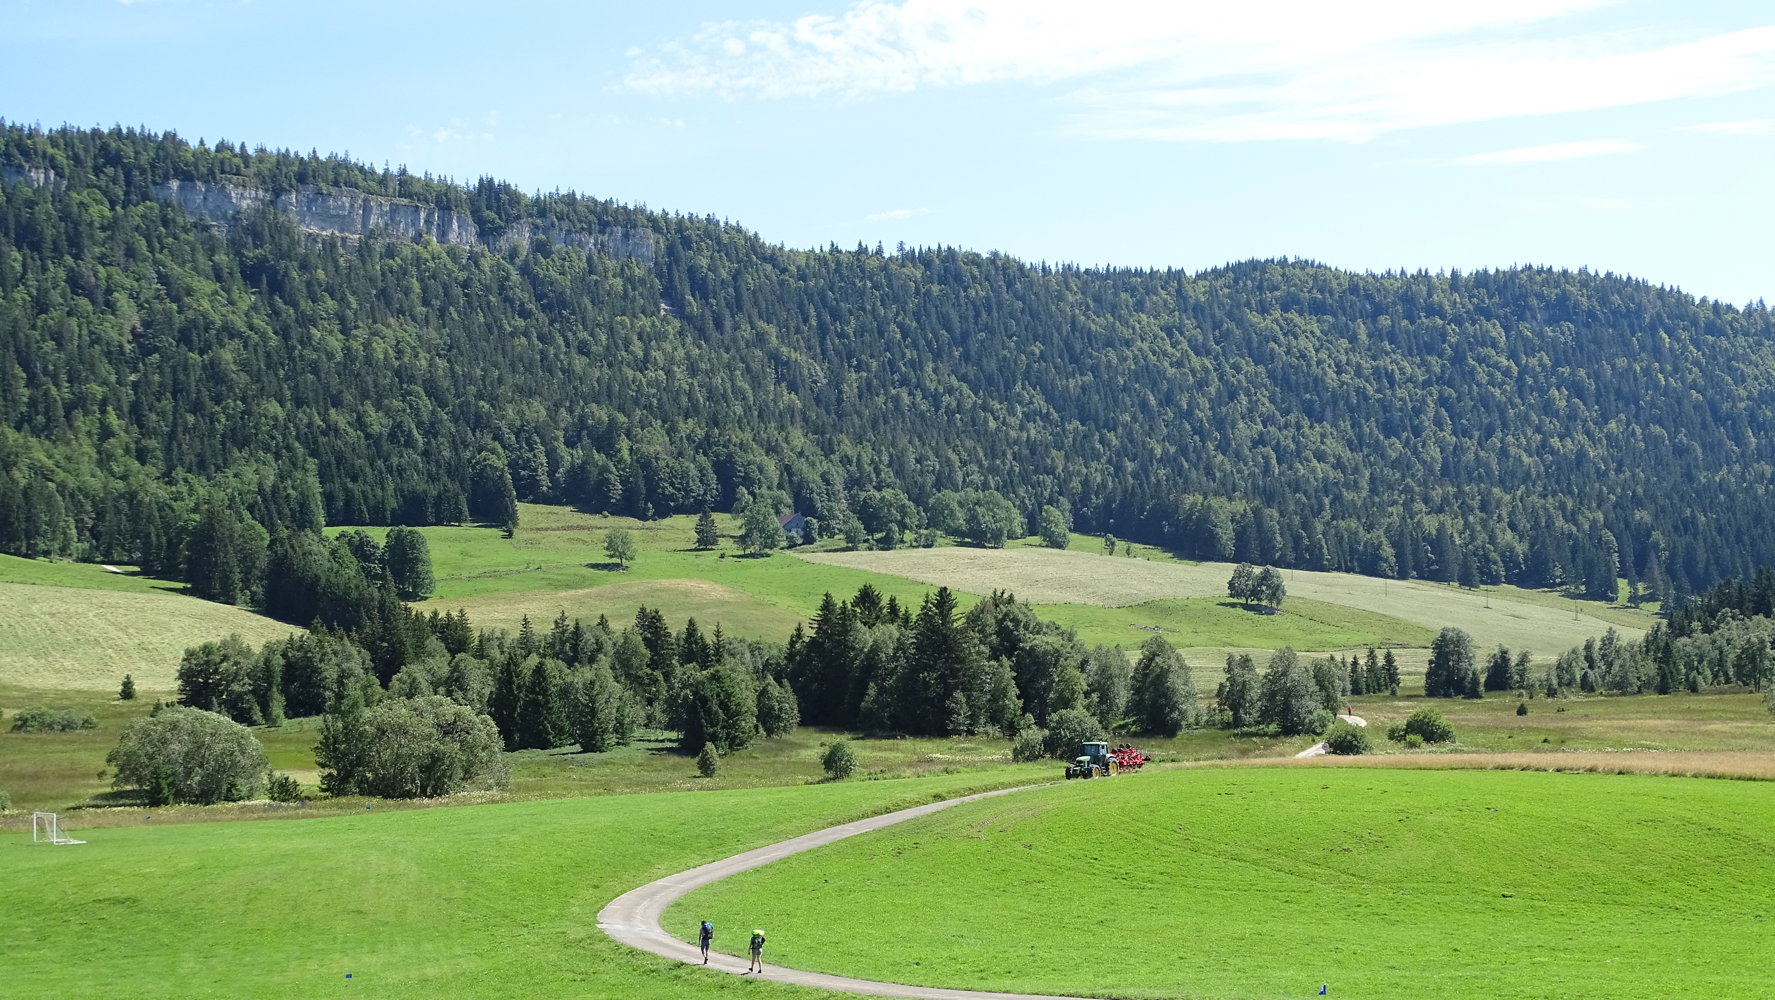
{"x": 1635, "y": 137}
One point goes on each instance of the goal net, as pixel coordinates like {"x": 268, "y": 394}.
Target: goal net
{"x": 46, "y": 828}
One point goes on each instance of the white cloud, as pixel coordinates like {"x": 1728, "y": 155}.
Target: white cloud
{"x": 896, "y": 214}
{"x": 1206, "y": 70}
{"x": 1552, "y": 152}
{"x": 453, "y": 132}
{"x": 1755, "y": 126}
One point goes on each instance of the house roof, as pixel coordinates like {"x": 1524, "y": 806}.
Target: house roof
{"x": 783, "y": 521}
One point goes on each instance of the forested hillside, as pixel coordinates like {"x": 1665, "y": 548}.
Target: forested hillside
{"x": 168, "y": 385}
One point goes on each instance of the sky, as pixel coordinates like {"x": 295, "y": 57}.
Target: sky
{"x": 1632, "y": 137}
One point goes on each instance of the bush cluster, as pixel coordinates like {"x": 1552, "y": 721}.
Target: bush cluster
{"x": 1068, "y": 728}
{"x": 189, "y": 755}
{"x": 1030, "y": 744}
{"x": 52, "y": 720}
{"x": 1320, "y": 721}
{"x": 840, "y": 760}
{"x": 282, "y": 788}
{"x": 1426, "y": 724}
{"x": 1346, "y": 738}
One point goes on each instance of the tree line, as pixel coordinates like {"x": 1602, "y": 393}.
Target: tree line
{"x": 158, "y": 375}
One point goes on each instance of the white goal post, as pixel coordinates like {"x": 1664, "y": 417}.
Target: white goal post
{"x": 46, "y": 828}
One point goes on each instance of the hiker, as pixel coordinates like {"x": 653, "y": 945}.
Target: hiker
{"x": 757, "y": 952}
{"x": 704, "y": 937}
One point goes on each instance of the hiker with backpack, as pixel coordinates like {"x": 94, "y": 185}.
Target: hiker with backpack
{"x": 704, "y": 937}
{"x": 757, "y": 949}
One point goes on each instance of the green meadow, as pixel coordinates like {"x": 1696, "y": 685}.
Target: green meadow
{"x": 1259, "y": 883}
{"x": 83, "y": 638}
{"x": 485, "y": 901}
{"x": 1156, "y": 590}
{"x": 69, "y": 626}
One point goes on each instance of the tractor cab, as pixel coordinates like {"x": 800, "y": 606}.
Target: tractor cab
{"x": 1094, "y": 760}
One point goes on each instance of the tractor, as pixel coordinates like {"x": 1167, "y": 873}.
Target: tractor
{"x": 1096, "y": 759}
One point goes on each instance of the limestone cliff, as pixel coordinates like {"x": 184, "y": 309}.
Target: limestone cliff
{"x": 345, "y": 212}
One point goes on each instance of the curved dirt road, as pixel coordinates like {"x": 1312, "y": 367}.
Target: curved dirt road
{"x": 633, "y": 918}
{"x": 1318, "y": 749}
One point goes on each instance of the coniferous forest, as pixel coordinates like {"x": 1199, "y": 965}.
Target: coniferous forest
{"x": 181, "y": 395}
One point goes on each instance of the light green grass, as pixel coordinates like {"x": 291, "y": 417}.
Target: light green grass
{"x": 489, "y": 901}
{"x": 1542, "y": 623}
{"x": 555, "y": 561}
{"x": 1214, "y": 623}
{"x": 82, "y": 639}
{"x": 83, "y": 576}
{"x": 1261, "y": 883}
{"x": 709, "y": 603}
{"x": 1711, "y": 722}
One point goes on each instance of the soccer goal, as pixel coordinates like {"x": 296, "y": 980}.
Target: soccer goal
{"x": 46, "y": 828}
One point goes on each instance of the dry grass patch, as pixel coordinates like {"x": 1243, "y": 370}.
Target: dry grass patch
{"x": 737, "y": 612}
{"x": 1539, "y": 622}
{"x": 77, "y": 639}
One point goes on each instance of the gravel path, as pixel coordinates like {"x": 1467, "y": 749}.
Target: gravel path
{"x": 633, "y": 917}
{"x": 1318, "y": 748}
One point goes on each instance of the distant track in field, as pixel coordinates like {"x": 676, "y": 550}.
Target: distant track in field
{"x": 1318, "y": 749}
{"x": 633, "y": 918}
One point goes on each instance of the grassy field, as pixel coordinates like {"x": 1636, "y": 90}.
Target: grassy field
{"x": 1207, "y": 627}
{"x": 67, "y": 771}
{"x": 1542, "y": 622}
{"x": 555, "y": 562}
{"x": 482, "y": 901}
{"x": 1250, "y": 883}
{"x": 87, "y": 639}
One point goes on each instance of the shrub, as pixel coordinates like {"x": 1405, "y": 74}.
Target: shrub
{"x": 1413, "y": 741}
{"x": 1396, "y": 732}
{"x": 127, "y": 692}
{"x": 408, "y": 748}
{"x": 188, "y": 755}
{"x": 1429, "y": 726}
{"x": 1319, "y": 721}
{"x": 1345, "y": 738}
{"x": 840, "y": 760}
{"x": 1522, "y": 708}
{"x": 282, "y": 788}
{"x": 52, "y": 720}
{"x": 708, "y": 762}
{"x": 1068, "y": 728}
{"x": 1030, "y": 744}
{"x": 5, "y": 802}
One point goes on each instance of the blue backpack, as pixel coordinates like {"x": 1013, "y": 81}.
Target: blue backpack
{"x": 708, "y": 931}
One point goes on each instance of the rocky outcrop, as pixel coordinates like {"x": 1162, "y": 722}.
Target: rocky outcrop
{"x": 354, "y": 214}
{"x": 345, "y": 212}
{"x": 34, "y": 176}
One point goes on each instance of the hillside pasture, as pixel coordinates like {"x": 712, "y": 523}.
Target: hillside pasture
{"x": 489, "y": 901}
{"x": 709, "y": 603}
{"x": 1541, "y": 623}
{"x": 71, "y": 638}
{"x": 1268, "y": 882}
{"x": 555, "y": 562}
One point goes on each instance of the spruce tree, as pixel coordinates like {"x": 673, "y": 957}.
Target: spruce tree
{"x": 707, "y": 537}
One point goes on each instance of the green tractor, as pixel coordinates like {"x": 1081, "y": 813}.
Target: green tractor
{"x": 1097, "y": 760}
{"x": 1093, "y": 761}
